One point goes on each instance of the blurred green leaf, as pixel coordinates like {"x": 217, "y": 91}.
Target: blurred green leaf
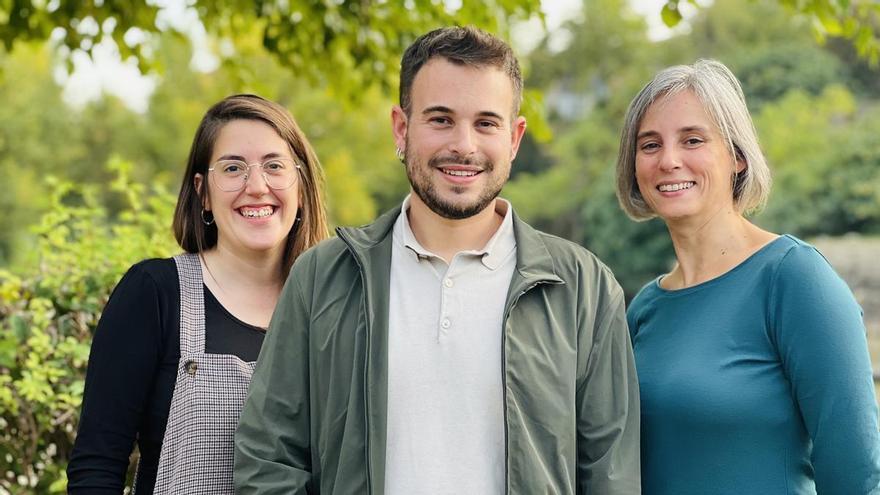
{"x": 670, "y": 14}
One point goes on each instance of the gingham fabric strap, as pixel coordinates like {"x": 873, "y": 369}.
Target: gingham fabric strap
{"x": 192, "y": 304}
{"x": 209, "y": 393}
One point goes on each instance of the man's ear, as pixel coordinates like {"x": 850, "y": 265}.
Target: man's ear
{"x": 398, "y": 127}
{"x": 198, "y": 180}
{"x": 516, "y": 135}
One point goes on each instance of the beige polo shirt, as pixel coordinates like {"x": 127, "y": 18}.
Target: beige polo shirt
{"x": 445, "y": 402}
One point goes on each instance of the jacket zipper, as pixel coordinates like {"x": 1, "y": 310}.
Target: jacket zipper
{"x": 504, "y": 382}
{"x": 360, "y": 265}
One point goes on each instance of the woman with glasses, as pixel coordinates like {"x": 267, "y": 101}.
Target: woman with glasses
{"x": 753, "y": 367}
{"x": 173, "y": 354}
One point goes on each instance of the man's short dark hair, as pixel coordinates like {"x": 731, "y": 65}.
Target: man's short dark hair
{"x": 462, "y": 46}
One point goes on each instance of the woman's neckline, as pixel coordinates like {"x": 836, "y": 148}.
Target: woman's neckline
{"x": 712, "y": 281}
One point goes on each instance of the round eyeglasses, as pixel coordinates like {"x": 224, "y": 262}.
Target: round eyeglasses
{"x": 232, "y": 175}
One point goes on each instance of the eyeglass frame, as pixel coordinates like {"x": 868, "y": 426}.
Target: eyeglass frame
{"x": 247, "y": 174}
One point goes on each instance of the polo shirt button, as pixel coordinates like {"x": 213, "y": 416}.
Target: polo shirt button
{"x": 445, "y": 323}
{"x": 448, "y": 282}
{"x": 191, "y": 367}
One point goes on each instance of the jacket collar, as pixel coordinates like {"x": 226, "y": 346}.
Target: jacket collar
{"x": 368, "y": 236}
{"x": 533, "y": 260}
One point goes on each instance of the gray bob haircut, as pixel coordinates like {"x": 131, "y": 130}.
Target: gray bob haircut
{"x": 723, "y": 100}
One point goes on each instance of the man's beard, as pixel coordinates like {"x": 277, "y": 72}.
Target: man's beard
{"x": 420, "y": 178}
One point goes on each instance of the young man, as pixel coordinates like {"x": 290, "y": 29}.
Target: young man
{"x": 448, "y": 347}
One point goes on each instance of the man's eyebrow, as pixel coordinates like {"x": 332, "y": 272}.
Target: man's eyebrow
{"x": 444, "y": 109}
{"x": 437, "y": 109}
{"x": 489, "y": 113}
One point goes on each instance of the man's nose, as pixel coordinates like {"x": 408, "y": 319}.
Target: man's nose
{"x": 464, "y": 141}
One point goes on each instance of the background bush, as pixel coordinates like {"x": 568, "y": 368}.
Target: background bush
{"x": 50, "y": 310}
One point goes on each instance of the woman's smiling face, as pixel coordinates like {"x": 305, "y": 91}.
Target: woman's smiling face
{"x": 684, "y": 168}
{"x": 256, "y": 218}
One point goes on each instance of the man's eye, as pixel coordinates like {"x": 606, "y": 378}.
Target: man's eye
{"x": 487, "y": 124}
{"x": 441, "y": 120}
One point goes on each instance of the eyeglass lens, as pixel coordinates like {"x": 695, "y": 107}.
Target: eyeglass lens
{"x": 232, "y": 175}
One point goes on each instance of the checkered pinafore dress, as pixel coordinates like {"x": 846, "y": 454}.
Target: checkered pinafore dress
{"x": 208, "y": 397}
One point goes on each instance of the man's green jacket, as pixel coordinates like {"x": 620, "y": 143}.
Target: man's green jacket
{"x": 315, "y": 419}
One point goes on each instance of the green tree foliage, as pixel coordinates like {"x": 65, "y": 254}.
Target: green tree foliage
{"x": 855, "y": 20}
{"x": 769, "y": 57}
{"x": 824, "y": 154}
{"x": 345, "y": 44}
{"x": 40, "y": 136}
{"x": 770, "y": 72}
{"x": 730, "y": 29}
{"x": 48, "y": 313}
{"x": 604, "y": 62}
{"x": 32, "y": 138}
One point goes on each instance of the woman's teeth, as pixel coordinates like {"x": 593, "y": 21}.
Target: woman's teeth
{"x": 256, "y": 212}
{"x": 676, "y": 187}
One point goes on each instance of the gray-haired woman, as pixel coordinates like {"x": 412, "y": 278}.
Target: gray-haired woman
{"x": 751, "y": 352}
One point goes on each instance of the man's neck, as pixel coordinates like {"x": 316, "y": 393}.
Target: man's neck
{"x": 445, "y": 237}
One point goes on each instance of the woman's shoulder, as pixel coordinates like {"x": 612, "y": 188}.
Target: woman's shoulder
{"x": 795, "y": 257}
{"x": 144, "y": 304}
{"x": 643, "y": 300}
{"x": 155, "y": 265}
{"x": 647, "y": 293}
{"x": 159, "y": 274}
{"x": 801, "y": 270}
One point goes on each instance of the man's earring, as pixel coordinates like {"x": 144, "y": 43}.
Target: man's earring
{"x": 400, "y": 156}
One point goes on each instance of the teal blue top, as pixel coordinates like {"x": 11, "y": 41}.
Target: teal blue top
{"x": 756, "y": 382}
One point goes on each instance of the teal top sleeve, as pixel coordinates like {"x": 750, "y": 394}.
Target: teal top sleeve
{"x": 820, "y": 337}
{"x": 758, "y": 381}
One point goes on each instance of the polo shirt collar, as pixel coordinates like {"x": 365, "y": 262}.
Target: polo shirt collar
{"x": 493, "y": 254}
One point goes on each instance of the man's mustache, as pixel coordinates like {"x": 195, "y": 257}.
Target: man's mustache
{"x": 457, "y": 159}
